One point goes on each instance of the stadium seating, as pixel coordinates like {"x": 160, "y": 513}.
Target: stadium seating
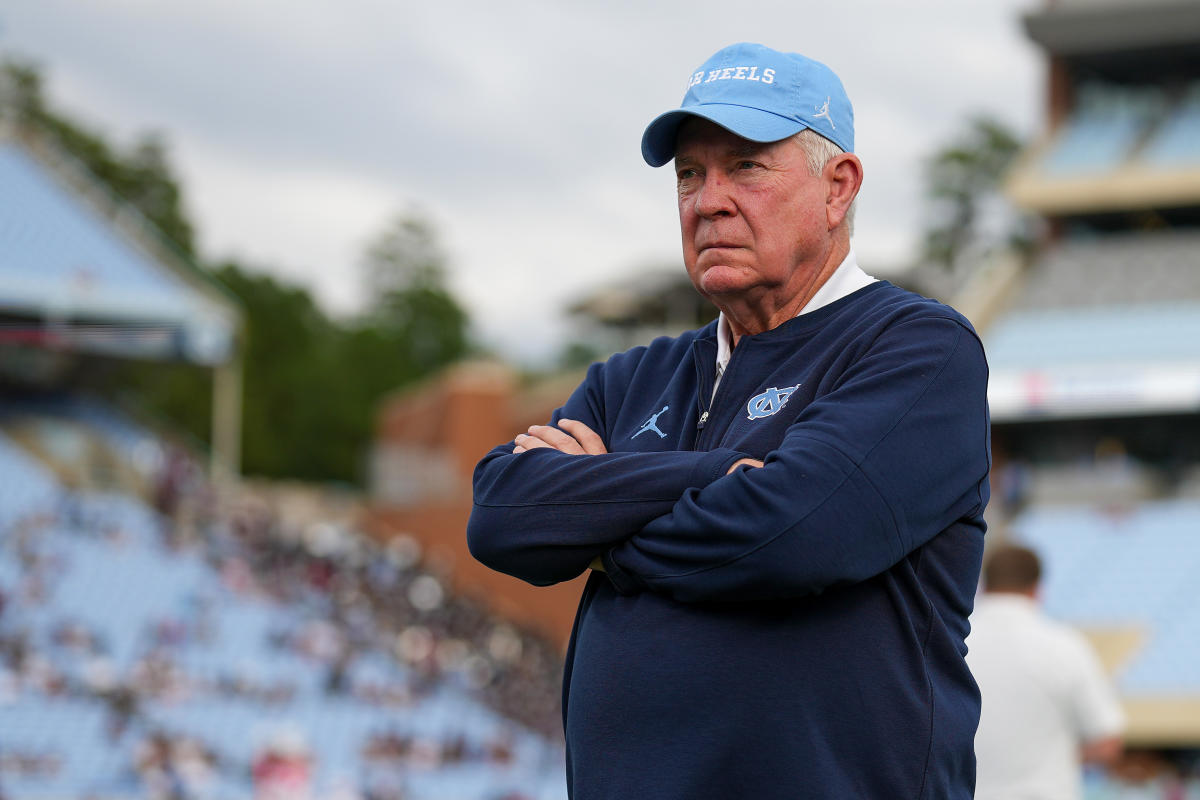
{"x": 1177, "y": 142}
{"x": 106, "y": 595}
{"x": 1113, "y": 125}
{"x": 1127, "y": 269}
{"x": 1106, "y": 125}
{"x": 1134, "y": 567}
{"x": 1113, "y": 335}
{"x": 96, "y": 595}
{"x": 106, "y": 278}
{"x": 26, "y": 487}
{"x": 36, "y": 213}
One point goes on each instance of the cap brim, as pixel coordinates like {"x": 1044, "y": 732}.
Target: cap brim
{"x": 658, "y": 142}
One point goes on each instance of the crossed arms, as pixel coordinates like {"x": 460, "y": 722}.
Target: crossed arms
{"x": 892, "y": 453}
{"x": 578, "y": 439}
{"x": 572, "y": 436}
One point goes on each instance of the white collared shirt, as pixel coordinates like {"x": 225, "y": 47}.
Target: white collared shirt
{"x": 845, "y": 280}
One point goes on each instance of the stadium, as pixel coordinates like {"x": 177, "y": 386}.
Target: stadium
{"x": 171, "y": 630}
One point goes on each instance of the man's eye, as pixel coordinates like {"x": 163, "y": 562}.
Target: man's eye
{"x": 685, "y": 174}
{"x": 747, "y": 164}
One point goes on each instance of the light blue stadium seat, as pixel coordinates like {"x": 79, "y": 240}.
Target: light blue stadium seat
{"x": 1177, "y": 141}
{"x": 1137, "y": 568}
{"x": 1104, "y": 129}
{"x": 43, "y": 223}
{"x": 118, "y": 588}
{"x": 1104, "y": 335}
{"x": 27, "y": 487}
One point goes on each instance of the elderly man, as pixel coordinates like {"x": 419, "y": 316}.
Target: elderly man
{"x": 783, "y": 510}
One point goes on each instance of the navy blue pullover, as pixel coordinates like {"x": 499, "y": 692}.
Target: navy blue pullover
{"x": 791, "y": 631}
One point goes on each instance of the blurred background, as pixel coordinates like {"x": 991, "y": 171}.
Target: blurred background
{"x": 274, "y": 276}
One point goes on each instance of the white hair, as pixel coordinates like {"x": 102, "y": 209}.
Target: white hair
{"x": 819, "y": 151}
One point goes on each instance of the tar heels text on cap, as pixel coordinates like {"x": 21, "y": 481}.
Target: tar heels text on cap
{"x": 734, "y": 74}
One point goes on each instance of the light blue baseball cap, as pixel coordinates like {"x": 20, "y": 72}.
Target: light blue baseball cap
{"x": 760, "y": 94}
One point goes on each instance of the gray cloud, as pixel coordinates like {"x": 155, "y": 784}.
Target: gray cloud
{"x": 517, "y": 124}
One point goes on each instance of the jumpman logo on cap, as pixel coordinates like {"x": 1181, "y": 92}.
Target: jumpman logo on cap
{"x": 823, "y": 111}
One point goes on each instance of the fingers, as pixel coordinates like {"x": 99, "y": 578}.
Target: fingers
{"x": 545, "y": 436}
{"x": 524, "y": 443}
{"x": 575, "y": 439}
{"x": 744, "y": 462}
{"x": 556, "y": 438}
{"x": 588, "y": 439}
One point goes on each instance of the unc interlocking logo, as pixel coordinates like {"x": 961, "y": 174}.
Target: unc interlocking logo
{"x": 652, "y": 425}
{"x": 769, "y": 402}
{"x": 823, "y": 111}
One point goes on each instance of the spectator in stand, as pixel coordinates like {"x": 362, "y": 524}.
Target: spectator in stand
{"x": 283, "y": 770}
{"x": 1047, "y": 703}
{"x": 1148, "y": 774}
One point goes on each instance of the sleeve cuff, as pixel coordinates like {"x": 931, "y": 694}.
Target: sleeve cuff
{"x": 712, "y": 466}
{"x": 622, "y": 581}
{"x": 715, "y": 464}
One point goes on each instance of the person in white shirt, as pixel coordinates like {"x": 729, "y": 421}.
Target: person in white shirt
{"x": 1047, "y": 703}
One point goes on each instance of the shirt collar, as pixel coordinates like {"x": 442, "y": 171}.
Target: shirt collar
{"x": 845, "y": 280}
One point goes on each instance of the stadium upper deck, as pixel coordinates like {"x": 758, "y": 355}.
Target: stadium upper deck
{"x": 83, "y": 274}
{"x": 63, "y": 261}
{"x": 1095, "y": 356}
{"x": 1106, "y": 318}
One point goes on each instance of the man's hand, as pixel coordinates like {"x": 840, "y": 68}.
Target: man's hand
{"x": 1102, "y": 751}
{"x": 748, "y": 462}
{"x": 578, "y": 439}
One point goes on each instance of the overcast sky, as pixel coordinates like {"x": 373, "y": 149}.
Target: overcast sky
{"x": 300, "y": 128}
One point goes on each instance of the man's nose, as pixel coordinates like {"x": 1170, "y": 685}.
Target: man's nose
{"x": 714, "y": 198}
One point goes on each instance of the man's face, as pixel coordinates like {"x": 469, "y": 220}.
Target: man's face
{"x": 753, "y": 218}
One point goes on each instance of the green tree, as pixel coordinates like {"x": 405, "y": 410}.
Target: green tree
{"x": 289, "y": 381}
{"x": 577, "y": 354}
{"x": 412, "y": 324}
{"x": 962, "y": 182}
{"x": 313, "y": 385}
{"x": 404, "y": 255}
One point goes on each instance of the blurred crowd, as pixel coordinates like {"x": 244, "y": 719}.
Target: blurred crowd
{"x": 374, "y": 595}
{"x": 1147, "y": 774}
{"x": 356, "y": 599}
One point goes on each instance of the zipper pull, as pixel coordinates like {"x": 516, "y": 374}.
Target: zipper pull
{"x": 703, "y": 419}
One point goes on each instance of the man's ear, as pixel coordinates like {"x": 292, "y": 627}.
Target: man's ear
{"x": 844, "y": 177}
